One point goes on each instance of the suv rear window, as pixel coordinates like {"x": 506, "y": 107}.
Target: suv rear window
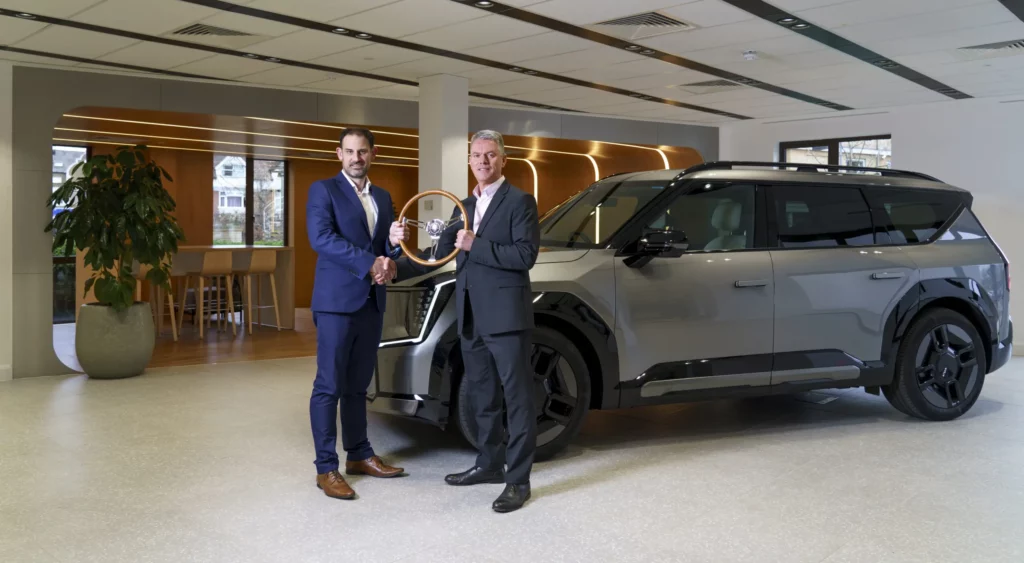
{"x": 915, "y": 215}
{"x": 813, "y": 216}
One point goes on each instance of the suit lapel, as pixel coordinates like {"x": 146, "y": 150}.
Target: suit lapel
{"x": 499, "y": 196}
{"x": 349, "y": 192}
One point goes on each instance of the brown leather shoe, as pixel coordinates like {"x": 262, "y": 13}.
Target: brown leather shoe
{"x": 374, "y": 467}
{"x": 334, "y": 485}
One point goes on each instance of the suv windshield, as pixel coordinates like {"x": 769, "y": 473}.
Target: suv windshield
{"x": 592, "y": 216}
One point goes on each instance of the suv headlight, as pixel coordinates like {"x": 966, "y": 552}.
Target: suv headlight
{"x": 411, "y": 310}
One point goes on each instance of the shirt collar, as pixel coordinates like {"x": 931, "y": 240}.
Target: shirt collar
{"x": 490, "y": 189}
{"x": 366, "y": 186}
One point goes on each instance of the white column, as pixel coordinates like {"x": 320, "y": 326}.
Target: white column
{"x": 444, "y": 131}
{"x": 6, "y": 220}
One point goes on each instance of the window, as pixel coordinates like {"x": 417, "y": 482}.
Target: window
{"x": 813, "y": 216}
{"x": 914, "y": 216}
{"x": 249, "y": 201}
{"x": 592, "y": 216}
{"x": 719, "y": 219}
{"x": 864, "y": 152}
{"x": 64, "y": 303}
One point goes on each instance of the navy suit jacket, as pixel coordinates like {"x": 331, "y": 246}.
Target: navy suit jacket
{"x": 346, "y": 249}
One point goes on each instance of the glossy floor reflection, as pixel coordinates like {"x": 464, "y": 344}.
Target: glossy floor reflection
{"x": 214, "y": 463}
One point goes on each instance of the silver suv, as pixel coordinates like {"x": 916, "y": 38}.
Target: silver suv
{"x": 730, "y": 279}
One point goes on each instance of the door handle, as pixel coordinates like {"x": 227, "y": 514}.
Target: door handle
{"x": 751, "y": 283}
{"x": 887, "y": 275}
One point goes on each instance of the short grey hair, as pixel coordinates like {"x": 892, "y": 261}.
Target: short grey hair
{"x": 489, "y": 135}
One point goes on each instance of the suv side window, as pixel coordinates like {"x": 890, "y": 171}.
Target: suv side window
{"x": 717, "y": 219}
{"x": 914, "y": 215}
{"x": 820, "y": 216}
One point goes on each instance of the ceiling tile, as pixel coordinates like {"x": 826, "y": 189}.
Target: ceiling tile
{"x": 622, "y": 71}
{"x": 305, "y": 45}
{"x": 427, "y": 66}
{"x": 483, "y": 31}
{"x": 400, "y": 91}
{"x": 410, "y": 16}
{"x": 287, "y": 76}
{"x": 369, "y": 57}
{"x": 599, "y": 10}
{"x": 54, "y": 8}
{"x": 153, "y": 17}
{"x": 867, "y": 11}
{"x": 661, "y": 81}
{"x": 739, "y": 34}
{"x": 13, "y": 30}
{"x": 488, "y": 75}
{"x": 708, "y": 13}
{"x": 596, "y": 56}
{"x": 89, "y": 44}
{"x": 535, "y": 47}
{"x": 928, "y": 24}
{"x": 951, "y": 40}
{"x": 775, "y": 48}
{"x": 318, "y": 10}
{"x": 225, "y": 66}
{"x": 154, "y": 55}
{"x": 556, "y": 95}
{"x": 797, "y": 5}
{"x": 250, "y": 24}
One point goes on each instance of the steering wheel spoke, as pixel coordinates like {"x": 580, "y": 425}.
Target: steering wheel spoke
{"x": 433, "y": 227}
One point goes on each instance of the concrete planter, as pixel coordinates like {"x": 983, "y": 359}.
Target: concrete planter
{"x": 112, "y": 345}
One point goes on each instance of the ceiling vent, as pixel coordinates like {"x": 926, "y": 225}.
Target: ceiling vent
{"x": 709, "y": 87}
{"x": 216, "y": 36}
{"x": 991, "y": 50}
{"x": 641, "y": 26}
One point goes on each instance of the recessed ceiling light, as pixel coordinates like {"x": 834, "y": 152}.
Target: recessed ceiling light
{"x": 340, "y": 31}
{"x": 273, "y": 60}
{"x": 484, "y": 4}
{"x": 531, "y": 72}
{"x": 25, "y": 16}
{"x": 787, "y": 21}
{"x": 252, "y": 56}
{"x": 516, "y": 69}
{"x": 647, "y": 52}
{"x": 633, "y": 48}
{"x": 801, "y": 25}
{"x": 363, "y": 35}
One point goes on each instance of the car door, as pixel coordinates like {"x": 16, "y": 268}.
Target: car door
{"x": 699, "y": 319}
{"x": 834, "y": 286}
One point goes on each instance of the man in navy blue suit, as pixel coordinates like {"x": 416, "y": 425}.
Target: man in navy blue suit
{"x": 350, "y": 223}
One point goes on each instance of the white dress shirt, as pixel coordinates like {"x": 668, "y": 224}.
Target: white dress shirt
{"x": 483, "y": 199}
{"x": 369, "y": 205}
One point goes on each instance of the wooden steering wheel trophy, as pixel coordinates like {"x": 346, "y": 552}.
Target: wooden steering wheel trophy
{"x": 434, "y": 229}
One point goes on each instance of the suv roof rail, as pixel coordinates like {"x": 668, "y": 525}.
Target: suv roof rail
{"x": 804, "y": 167}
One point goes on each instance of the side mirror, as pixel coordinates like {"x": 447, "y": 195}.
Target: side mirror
{"x": 668, "y": 243}
{"x": 653, "y": 243}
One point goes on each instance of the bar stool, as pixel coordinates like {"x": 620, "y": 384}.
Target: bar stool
{"x": 217, "y": 265}
{"x": 156, "y": 295}
{"x": 261, "y": 262}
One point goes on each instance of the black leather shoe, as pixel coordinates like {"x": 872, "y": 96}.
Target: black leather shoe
{"x": 512, "y": 498}
{"x": 475, "y": 476}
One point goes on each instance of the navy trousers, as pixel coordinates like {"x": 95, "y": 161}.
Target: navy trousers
{"x": 346, "y": 353}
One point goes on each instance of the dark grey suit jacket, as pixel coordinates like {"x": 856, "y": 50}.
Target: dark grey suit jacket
{"x": 495, "y": 274}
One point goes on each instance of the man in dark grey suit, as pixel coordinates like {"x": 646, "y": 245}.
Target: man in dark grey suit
{"x": 494, "y": 304}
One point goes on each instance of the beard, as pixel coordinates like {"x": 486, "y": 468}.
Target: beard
{"x": 356, "y": 172}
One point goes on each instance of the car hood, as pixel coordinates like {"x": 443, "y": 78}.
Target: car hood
{"x": 553, "y": 255}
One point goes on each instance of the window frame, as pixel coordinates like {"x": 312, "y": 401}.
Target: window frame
{"x": 832, "y": 144}
{"x": 249, "y": 200}
{"x": 629, "y": 235}
{"x": 887, "y": 225}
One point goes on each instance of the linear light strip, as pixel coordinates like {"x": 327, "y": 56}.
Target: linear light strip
{"x": 267, "y": 156}
{"x": 536, "y": 182}
{"x": 200, "y": 128}
{"x": 135, "y": 135}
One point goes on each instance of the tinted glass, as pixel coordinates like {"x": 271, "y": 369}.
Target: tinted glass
{"x": 719, "y": 219}
{"x": 595, "y": 214}
{"x": 915, "y": 215}
{"x": 816, "y": 216}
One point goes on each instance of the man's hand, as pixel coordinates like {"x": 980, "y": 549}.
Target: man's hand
{"x": 464, "y": 240}
{"x": 384, "y": 270}
{"x": 399, "y": 232}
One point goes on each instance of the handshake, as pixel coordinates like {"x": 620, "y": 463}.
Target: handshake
{"x": 384, "y": 270}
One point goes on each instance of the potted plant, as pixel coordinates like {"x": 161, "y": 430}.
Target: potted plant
{"x": 118, "y": 212}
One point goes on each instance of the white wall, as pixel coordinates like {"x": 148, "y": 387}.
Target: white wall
{"x": 974, "y": 144}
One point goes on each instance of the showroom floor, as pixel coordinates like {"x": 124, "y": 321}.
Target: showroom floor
{"x": 214, "y": 463}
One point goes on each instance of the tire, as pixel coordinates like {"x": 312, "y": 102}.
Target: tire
{"x": 558, "y": 422}
{"x": 940, "y": 369}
